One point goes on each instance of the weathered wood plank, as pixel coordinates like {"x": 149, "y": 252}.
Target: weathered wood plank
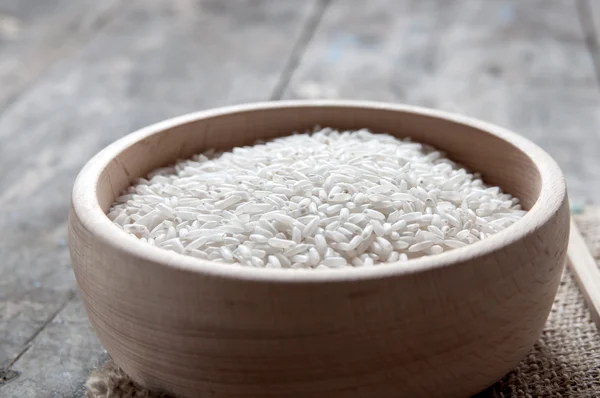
{"x": 60, "y": 358}
{"x": 591, "y": 9}
{"x": 521, "y": 64}
{"x": 34, "y": 34}
{"x": 589, "y": 16}
{"x": 156, "y": 60}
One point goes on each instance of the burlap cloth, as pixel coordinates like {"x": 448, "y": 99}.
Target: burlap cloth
{"x": 565, "y": 362}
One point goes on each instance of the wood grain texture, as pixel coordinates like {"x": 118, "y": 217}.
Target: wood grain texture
{"x": 522, "y": 64}
{"x": 157, "y": 59}
{"x": 589, "y": 16}
{"x": 60, "y": 358}
{"x": 34, "y": 34}
{"x": 448, "y": 324}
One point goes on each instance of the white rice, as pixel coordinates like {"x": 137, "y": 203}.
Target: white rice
{"x": 324, "y": 200}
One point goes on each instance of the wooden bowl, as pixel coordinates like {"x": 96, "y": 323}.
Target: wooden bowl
{"x": 449, "y": 324}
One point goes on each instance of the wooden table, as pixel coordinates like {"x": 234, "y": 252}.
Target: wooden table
{"x": 77, "y": 74}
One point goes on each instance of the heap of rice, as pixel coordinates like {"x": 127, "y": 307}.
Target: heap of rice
{"x": 324, "y": 200}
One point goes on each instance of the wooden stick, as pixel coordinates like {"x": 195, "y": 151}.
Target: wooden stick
{"x": 586, "y": 271}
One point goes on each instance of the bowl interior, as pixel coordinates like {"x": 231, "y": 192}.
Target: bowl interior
{"x": 499, "y": 160}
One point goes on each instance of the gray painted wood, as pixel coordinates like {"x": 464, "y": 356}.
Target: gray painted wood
{"x": 521, "y": 64}
{"x": 34, "y": 34}
{"x": 592, "y": 8}
{"x": 60, "y": 359}
{"x": 589, "y": 15}
{"x": 156, "y": 60}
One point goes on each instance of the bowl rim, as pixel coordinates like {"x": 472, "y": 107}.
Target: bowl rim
{"x": 86, "y": 206}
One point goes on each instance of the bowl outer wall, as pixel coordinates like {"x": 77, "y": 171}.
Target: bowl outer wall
{"x": 455, "y": 322}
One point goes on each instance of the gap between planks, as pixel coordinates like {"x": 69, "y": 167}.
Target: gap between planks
{"x": 69, "y": 46}
{"x": 29, "y": 341}
{"x": 299, "y": 48}
{"x": 586, "y": 12}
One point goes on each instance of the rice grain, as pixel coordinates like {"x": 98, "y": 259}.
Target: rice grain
{"x": 329, "y": 199}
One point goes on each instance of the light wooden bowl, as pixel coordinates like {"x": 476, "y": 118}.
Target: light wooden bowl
{"x": 444, "y": 325}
